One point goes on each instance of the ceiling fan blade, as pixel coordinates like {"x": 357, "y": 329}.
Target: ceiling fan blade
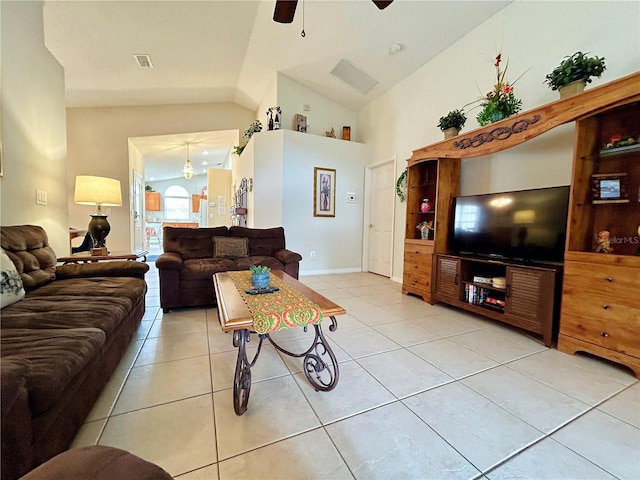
{"x": 285, "y": 10}
{"x": 382, "y": 4}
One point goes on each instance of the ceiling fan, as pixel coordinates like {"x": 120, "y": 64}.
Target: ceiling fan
{"x": 286, "y": 9}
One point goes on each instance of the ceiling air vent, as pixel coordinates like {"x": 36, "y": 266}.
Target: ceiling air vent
{"x": 144, "y": 61}
{"x": 353, "y": 76}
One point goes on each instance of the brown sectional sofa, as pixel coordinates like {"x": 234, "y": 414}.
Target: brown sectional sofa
{"x": 188, "y": 263}
{"x": 59, "y": 344}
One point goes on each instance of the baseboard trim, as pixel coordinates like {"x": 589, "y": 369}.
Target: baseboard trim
{"x": 330, "y": 270}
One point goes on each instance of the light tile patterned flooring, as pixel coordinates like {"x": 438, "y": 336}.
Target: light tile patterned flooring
{"x": 425, "y": 392}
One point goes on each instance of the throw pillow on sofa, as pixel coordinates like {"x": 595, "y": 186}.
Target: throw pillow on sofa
{"x": 11, "y": 289}
{"x": 230, "y": 247}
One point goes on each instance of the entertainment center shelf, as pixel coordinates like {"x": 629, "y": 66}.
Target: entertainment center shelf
{"x": 527, "y": 301}
{"x": 591, "y": 302}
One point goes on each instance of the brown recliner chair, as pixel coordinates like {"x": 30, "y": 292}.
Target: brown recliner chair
{"x": 97, "y": 462}
{"x": 190, "y": 259}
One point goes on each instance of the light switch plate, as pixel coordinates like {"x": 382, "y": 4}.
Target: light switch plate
{"x": 41, "y": 197}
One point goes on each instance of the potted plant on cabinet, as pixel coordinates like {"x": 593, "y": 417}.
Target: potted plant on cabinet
{"x": 574, "y": 72}
{"x": 452, "y": 122}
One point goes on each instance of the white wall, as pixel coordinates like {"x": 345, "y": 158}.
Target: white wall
{"x": 33, "y": 126}
{"x": 267, "y": 179}
{"x": 337, "y": 240}
{"x": 323, "y": 114}
{"x": 97, "y": 143}
{"x": 269, "y": 99}
{"x": 534, "y": 37}
{"x": 281, "y": 162}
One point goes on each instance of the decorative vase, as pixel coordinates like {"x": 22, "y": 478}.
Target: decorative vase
{"x": 424, "y": 233}
{"x": 451, "y": 132}
{"x": 260, "y": 280}
{"x": 572, "y": 88}
{"x": 425, "y": 206}
{"x": 497, "y": 116}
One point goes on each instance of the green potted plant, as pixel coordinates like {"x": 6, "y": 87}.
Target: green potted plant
{"x": 452, "y": 123}
{"x": 500, "y": 102}
{"x": 401, "y": 185}
{"x": 255, "y": 127}
{"x": 260, "y": 277}
{"x": 575, "y": 70}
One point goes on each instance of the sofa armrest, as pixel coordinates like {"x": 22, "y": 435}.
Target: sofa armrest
{"x": 169, "y": 261}
{"x": 287, "y": 256}
{"x": 115, "y": 268}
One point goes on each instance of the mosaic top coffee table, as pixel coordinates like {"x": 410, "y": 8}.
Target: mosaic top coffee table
{"x": 294, "y": 305}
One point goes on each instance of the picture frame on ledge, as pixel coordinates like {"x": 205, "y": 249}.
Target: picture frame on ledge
{"x": 609, "y": 188}
{"x": 300, "y": 123}
{"x": 324, "y": 192}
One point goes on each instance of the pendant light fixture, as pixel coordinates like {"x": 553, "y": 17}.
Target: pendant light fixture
{"x": 187, "y": 170}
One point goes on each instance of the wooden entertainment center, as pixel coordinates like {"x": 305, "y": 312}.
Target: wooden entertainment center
{"x": 595, "y": 304}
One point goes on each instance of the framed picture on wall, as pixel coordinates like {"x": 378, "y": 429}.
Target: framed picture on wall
{"x": 324, "y": 192}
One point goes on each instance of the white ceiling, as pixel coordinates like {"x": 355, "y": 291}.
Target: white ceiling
{"x": 229, "y": 51}
{"x": 165, "y": 155}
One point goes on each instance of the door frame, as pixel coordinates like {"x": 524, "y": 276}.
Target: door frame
{"x": 367, "y": 208}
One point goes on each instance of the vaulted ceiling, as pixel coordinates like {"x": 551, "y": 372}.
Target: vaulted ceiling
{"x": 230, "y": 51}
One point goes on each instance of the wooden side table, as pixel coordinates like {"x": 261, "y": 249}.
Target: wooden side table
{"x": 86, "y": 257}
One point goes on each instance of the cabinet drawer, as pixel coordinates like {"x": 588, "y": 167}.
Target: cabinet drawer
{"x": 421, "y": 268}
{"x": 614, "y": 334}
{"x": 607, "y": 279}
{"x": 421, "y": 282}
{"x": 418, "y": 254}
{"x": 601, "y": 291}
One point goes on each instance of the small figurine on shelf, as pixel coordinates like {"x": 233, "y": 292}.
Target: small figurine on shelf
{"x": 425, "y": 206}
{"x": 425, "y": 229}
{"x": 604, "y": 245}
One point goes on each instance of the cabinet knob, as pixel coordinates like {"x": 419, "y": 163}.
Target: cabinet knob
{"x": 604, "y": 334}
{"x": 371, "y": 225}
{"x": 606, "y": 307}
{"x": 609, "y": 279}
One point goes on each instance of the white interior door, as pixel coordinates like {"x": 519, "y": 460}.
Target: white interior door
{"x": 381, "y": 218}
{"x": 137, "y": 210}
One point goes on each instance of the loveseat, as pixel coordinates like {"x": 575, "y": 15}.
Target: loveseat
{"x": 192, "y": 255}
{"x": 59, "y": 344}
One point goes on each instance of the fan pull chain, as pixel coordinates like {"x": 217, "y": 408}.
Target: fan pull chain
{"x": 302, "y": 34}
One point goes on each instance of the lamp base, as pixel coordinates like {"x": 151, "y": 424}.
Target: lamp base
{"x": 99, "y": 228}
{"x": 101, "y": 251}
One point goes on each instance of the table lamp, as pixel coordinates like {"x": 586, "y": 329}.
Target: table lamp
{"x": 99, "y": 191}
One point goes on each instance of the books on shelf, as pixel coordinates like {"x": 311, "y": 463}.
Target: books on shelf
{"x": 483, "y": 296}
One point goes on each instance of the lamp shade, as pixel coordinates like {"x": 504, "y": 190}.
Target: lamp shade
{"x": 101, "y": 191}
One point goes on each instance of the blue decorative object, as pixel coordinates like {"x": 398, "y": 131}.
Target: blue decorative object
{"x": 260, "y": 280}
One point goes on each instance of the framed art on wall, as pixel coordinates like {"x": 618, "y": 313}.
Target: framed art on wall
{"x": 324, "y": 192}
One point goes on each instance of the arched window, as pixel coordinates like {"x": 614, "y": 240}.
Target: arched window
{"x": 176, "y": 203}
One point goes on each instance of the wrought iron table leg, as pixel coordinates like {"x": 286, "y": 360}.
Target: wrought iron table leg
{"x": 242, "y": 377}
{"x": 321, "y": 374}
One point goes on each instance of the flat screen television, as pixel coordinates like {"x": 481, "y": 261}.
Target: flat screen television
{"x": 525, "y": 226}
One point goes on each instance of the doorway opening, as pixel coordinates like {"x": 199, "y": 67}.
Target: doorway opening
{"x": 159, "y": 161}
